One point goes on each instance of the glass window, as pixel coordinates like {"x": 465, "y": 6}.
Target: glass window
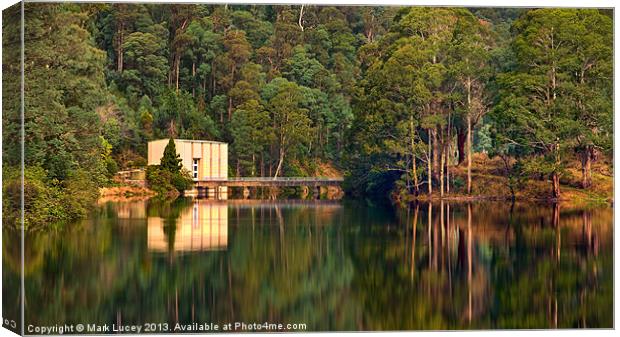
{"x": 195, "y": 169}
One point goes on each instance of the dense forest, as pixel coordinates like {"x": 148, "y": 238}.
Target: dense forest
{"x": 394, "y": 98}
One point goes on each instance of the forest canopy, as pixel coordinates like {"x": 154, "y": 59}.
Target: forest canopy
{"x": 393, "y": 97}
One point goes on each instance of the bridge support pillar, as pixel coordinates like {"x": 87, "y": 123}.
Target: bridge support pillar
{"x": 317, "y": 192}
{"x": 246, "y": 192}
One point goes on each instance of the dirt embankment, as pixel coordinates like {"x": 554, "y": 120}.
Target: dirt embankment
{"x": 124, "y": 193}
{"x": 489, "y": 181}
{"x": 328, "y": 170}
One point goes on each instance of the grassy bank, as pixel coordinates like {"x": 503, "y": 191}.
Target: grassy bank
{"x": 490, "y": 182}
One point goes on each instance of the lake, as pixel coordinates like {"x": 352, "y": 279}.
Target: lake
{"x": 328, "y": 265}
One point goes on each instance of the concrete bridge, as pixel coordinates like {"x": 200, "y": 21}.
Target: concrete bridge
{"x": 214, "y": 186}
{"x": 269, "y": 182}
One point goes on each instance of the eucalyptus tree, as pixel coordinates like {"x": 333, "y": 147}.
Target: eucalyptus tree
{"x": 290, "y": 119}
{"x": 205, "y": 45}
{"x": 406, "y": 94}
{"x": 592, "y": 88}
{"x": 237, "y": 53}
{"x": 252, "y": 132}
{"x": 470, "y": 52}
{"x": 557, "y": 100}
{"x": 180, "y": 18}
{"x": 125, "y": 19}
{"x": 145, "y": 65}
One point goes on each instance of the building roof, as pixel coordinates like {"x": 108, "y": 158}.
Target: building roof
{"x": 189, "y": 140}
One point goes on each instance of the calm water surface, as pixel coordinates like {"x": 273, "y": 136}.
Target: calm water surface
{"x": 329, "y": 265}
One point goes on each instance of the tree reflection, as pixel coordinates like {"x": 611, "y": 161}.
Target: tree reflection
{"x": 349, "y": 266}
{"x": 498, "y": 268}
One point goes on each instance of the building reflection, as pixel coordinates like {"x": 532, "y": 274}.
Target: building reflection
{"x": 203, "y": 226}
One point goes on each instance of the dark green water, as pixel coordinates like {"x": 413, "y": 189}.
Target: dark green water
{"x": 329, "y": 265}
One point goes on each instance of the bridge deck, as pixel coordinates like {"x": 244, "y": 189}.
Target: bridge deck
{"x": 269, "y": 181}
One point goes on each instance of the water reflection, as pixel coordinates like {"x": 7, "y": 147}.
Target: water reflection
{"x": 200, "y": 227}
{"x": 332, "y": 266}
{"x": 491, "y": 265}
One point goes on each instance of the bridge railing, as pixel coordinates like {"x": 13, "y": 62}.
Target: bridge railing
{"x": 291, "y": 179}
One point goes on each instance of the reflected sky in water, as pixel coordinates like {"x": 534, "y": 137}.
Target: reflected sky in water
{"x": 331, "y": 265}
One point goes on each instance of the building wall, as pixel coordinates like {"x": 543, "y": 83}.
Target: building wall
{"x": 156, "y": 151}
{"x": 213, "y": 156}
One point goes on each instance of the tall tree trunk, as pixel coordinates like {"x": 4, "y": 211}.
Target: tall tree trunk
{"x": 469, "y": 137}
{"x": 435, "y": 156}
{"x": 555, "y": 177}
{"x": 430, "y": 165}
{"x": 415, "y": 177}
{"x": 507, "y": 170}
{"x": 212, "y": 84}
{"x": 441, "y": 173}
{"x": 280, "y": 161}
{"x": 586, "y": 167}
{"x": 468, "y": 154}
{"x": 119, "y": 48}
{"x": 230, "y": 102}
{"x": 413, "y": 157}
{"x": 461, "y": 139}
{"x": 253, "y": 172}
{"x": 177, "y": 65}
{"x": 555, "y": 180}
{"x": 448, "y": 154}
{"x": 301, "y": 18}
{"x": 194, "y": 79}
{"x": 448, "y": 169}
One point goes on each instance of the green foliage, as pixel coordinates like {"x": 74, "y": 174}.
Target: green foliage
{"x": 381, "y": 92}
{"x": 197, "y": 66}
{"x": 416, "y": 92}
{"x": 159, "y": 180}
{"x": 171, "y": 160}
{"x": 170, "y": 175}
{"x": 165, "y": 182}
{"x": 145, "y": 66}
{"x": 59, "y": 107}
{"x": 542, "y": 109}
{"x": 47, "y": 201}
{"x": 484, "y": 143}
{"x": 66, "y": 159}
{"x": 182, "y": 180}
{"x": 252, "y": 134}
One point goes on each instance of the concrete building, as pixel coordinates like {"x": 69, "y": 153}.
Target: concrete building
{"x": 206, "y": 160}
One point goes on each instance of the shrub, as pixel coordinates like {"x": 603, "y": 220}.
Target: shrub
{"x": 458, "y": 183}
{"x": 163, "y": 181}
{"x": 158, "y": 179}
{"x": 182, "y": 180}
{"x": 47, "y": 202}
